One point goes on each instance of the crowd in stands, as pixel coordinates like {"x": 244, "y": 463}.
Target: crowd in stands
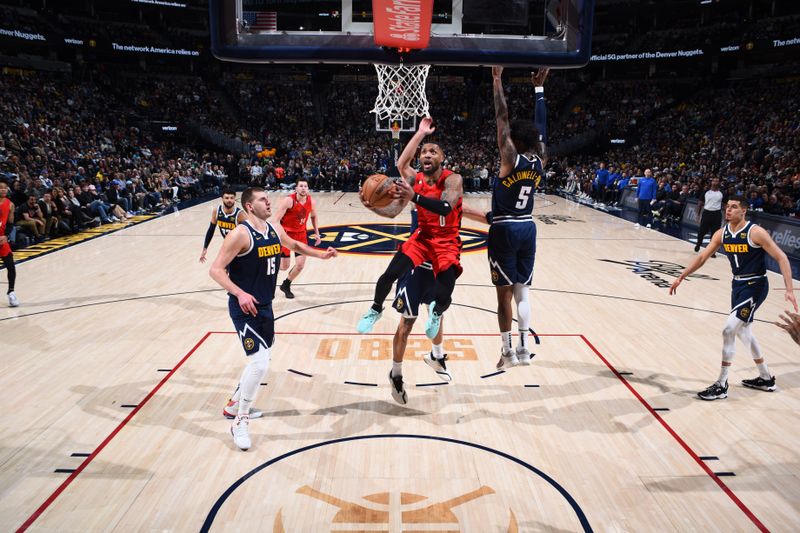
{"x": 746, "y": 134}
{"x": 72, "y": 163}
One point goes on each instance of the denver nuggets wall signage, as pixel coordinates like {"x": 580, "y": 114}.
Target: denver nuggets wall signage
{"x": 383, "y": 239}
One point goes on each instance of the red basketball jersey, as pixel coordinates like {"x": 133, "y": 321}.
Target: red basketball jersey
{"x": 429, "y": 222}
{"x": 5, "y": 210}
{"x": 295, "y": 218}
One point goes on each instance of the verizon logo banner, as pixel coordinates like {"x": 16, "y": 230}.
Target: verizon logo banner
{"x": 402, "y": 23}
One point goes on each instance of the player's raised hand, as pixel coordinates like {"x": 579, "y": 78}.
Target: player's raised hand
{"x": 426, "y": 126}
{"x": 538, "y": 78}
{"x": 497, "y": 71}
{"x": 330, "y": 252}
{"x": 248, "y": 304}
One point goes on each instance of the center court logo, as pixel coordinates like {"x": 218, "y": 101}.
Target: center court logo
{"x": 395, "y": 483}
{"x": 378, "y": 512}
{"x": 383, "y": 239}
{"x": 649, "y": 270}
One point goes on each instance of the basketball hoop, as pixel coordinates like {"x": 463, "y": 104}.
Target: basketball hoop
{"x": 395, "y": 127}
{"x": 401, "y": 94}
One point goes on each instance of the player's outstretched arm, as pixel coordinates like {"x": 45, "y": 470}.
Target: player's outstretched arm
{"x": 235, "y": 243}
{"x": 538, "y": 78}
{"x": 760, "y": 237}
{"x": 303, "y": 248}
{"x": 475, "y": 214}
{"x": 508, "y": 153}
{"x": 700, "y": 260}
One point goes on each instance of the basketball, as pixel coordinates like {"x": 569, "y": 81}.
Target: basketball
{"x": 376, "y": 190}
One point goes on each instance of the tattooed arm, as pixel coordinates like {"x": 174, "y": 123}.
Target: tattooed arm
{"x": 508, "y": 153}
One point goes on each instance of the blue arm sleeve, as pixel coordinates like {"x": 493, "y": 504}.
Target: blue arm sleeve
{"x": 540, "y": 119}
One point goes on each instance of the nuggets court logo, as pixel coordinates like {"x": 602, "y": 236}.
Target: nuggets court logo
{"x": 395, "y": 483}
{"x": 383, "y": 239}
{"x": 249, "y": 344}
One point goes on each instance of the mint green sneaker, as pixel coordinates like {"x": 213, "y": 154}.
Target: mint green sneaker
{"x": 433, "y": 322}
{"x": 368, "y": 321}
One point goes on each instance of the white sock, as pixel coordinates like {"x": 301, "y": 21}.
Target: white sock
{"x": 506, "y": 338}
{"x": 763, "y": 370}
{"x": 723, "y": 375}
{"x": 251, "y": 379}
{"x": 438, "y": 351}
{"x": 397, "y": 369}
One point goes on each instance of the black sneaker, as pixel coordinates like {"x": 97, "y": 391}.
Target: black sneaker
{"x": 760, "y": 383}
{"x": 398, "y": 390}
{"x": 714, "y": 392}
{"x": 287, "y": 290}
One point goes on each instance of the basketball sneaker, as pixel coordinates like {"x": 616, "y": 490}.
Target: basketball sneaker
{"x": 507, "y": 360}
{"x": 714, "y": 392}
{"x": 367, "y": 321}
{"x": 231, "y": 411}
{"x": 398, "y": 390}
{"x": 241, "y": 432}
{"x": 523, "y": 356}
{"x": 760, "y": 383}
{"x": 438, "y": 366}
{"x": 287, "y": 289}
{"x": 13, "y": 301}
{"x": 433, "y": 322}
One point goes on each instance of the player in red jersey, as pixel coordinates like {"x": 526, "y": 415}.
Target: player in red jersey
{"x": 6, "y": 224}
{"x": 293, "y": 212}
{"x": 437, "y": 194}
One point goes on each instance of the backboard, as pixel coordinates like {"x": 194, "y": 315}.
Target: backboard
{"x": 522, "y": 33}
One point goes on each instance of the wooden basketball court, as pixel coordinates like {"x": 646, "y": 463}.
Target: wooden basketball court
{"x": 119, "y": 361}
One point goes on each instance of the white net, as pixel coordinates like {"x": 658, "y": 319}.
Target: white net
{"x": 401, "y": 92}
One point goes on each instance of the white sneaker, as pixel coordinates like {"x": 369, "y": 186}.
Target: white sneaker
{"x": 241, "y": 432}
{"x": 507, "y": 360}
{"x": 231, "y": 410}
{"x": 649, "y": 226}
{"x": 13, "y": 301}
{"x": 438, "y": 365}
{"x": 636, "y": 225}
{"x": 523, "y": 356}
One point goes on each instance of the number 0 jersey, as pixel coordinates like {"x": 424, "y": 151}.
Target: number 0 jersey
{"x": 512, "y": 196}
